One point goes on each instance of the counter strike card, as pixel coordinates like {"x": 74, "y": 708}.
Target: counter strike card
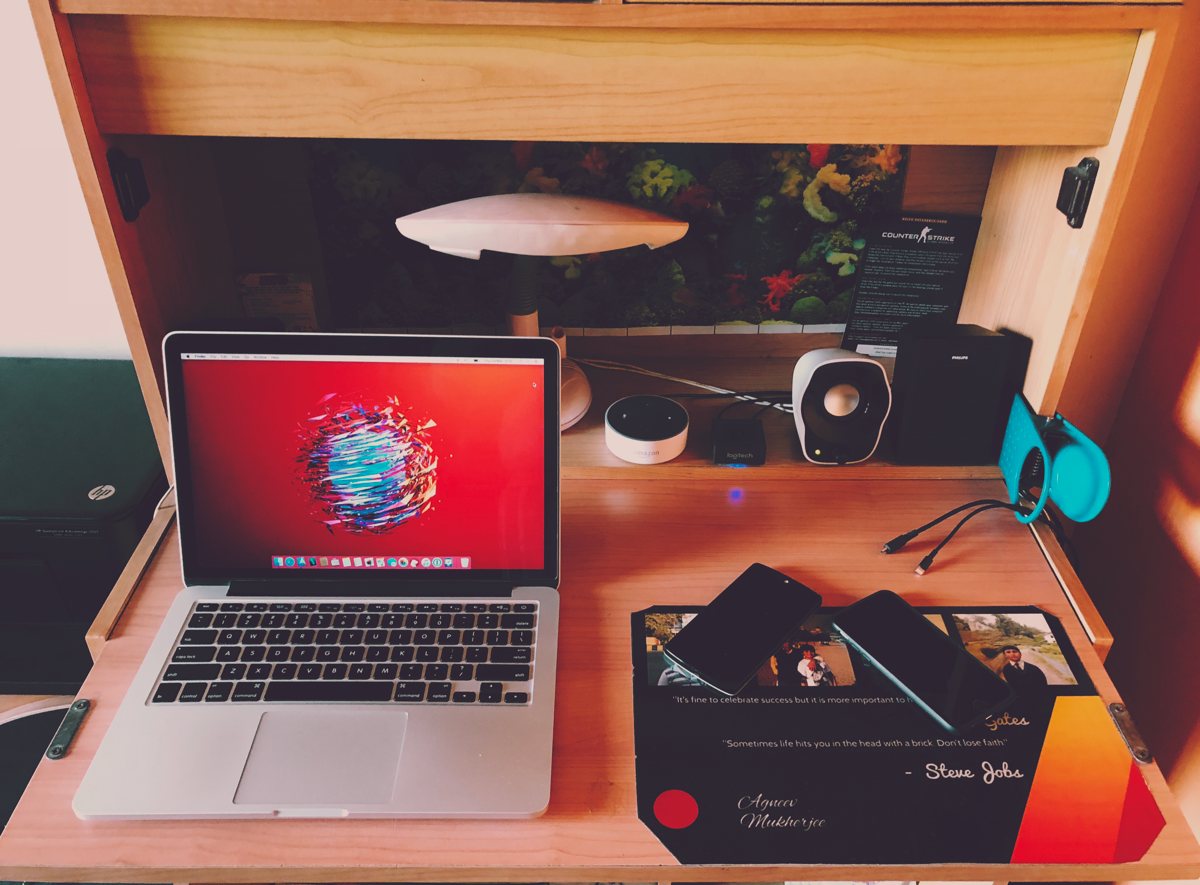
{"x": 822, "y": 760}
{"x": 913, "y": 266}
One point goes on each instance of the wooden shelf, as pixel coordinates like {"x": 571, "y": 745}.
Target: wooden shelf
{"x": 746, "y": 365}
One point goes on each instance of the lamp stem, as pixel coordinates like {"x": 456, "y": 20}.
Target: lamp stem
{"x": 523, "y": 297}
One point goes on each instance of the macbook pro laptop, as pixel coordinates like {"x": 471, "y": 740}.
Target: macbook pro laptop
{"x": 369, "y": 527}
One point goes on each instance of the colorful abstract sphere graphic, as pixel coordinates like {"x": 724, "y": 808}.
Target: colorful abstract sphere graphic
{"x": 365, "y": 465}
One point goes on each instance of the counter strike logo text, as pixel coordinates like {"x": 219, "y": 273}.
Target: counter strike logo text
{"x": 923, "y": 237}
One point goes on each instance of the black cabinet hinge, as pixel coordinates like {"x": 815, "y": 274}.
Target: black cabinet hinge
{"x": 1076, "y": 190}
{"x": 130, "y": 182}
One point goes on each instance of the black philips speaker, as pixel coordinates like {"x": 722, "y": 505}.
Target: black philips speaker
{"x": 952, "y": 389}
{"x": 841, "y": 400}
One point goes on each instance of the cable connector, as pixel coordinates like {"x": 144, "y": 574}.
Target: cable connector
{"x": 925, "y": 565}
{"x": 897, "y": 543}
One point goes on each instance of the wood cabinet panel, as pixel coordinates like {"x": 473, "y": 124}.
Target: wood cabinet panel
{"x": 165, "y": 76}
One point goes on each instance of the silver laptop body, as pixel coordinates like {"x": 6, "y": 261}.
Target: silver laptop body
{"x": 233, "y": 720}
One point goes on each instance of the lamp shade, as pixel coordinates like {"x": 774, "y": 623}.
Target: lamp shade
{"x": 538, "y": 224}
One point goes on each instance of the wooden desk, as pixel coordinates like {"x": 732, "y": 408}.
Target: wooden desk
{"x": 627, "y": 543}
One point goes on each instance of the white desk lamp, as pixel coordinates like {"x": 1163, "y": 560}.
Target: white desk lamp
{"x": 544, "y": 226}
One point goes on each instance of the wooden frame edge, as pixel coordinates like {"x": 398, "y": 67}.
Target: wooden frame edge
{"x": 1072, "y": 586}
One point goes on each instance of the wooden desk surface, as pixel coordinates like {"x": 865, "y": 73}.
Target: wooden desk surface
{"x": 627, "y": 543}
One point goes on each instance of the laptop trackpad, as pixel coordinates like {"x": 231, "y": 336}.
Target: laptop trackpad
{"x": 323, "y": 758}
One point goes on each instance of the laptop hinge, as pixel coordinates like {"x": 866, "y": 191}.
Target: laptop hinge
{"x": 391, "y": 589}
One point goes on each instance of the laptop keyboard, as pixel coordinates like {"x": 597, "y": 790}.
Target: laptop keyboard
{"x": 465, "y": 652}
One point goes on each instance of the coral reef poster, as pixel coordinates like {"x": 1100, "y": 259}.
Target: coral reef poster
{"x": 776, "y": 231}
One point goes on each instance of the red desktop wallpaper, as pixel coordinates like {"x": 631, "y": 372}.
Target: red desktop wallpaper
{"x": 395, "y": 459}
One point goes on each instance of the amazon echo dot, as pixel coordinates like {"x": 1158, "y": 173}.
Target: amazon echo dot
{"x": 646, "y": 429}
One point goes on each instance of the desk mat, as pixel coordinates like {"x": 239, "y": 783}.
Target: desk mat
{"x": 832, "y": 764}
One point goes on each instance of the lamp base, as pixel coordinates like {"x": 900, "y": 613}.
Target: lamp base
{"x": 576, "y": 396}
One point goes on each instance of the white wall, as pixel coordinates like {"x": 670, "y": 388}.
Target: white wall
{"x": 55, "y": 299}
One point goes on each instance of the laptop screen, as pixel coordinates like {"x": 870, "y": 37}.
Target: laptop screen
{"x": 300, "y": 459}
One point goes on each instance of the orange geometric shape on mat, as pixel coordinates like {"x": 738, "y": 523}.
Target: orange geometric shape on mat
{"x": 1082, "y": 804}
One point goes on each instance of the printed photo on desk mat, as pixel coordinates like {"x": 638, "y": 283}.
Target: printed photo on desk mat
{"x": 835, "y": 765}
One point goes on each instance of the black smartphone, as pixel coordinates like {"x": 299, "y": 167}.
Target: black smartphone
{"x": 943, "y": 678}
{"x": 735, "y": 634}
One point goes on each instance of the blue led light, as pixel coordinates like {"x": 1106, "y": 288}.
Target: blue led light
{"x": 735, "y": 494}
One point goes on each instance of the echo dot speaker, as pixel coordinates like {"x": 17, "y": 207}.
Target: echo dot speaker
{"x": 841, "y": 401}
{"x": 646, "y": 429}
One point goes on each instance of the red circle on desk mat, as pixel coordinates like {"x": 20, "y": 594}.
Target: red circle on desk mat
{"x": 676, "y": 809}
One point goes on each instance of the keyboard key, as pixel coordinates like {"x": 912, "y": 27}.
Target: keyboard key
{"x": 390, "y": 621}
{"x": 402, "y": 606}
{"x": 303, "y": 654}
{"x": 355, "y": 607}
{"x": 250, "y": 691}
{"x": 439, "y": 692}
{"x": 206, "y": 606}
{"x": 377, "y": 606}
{"x": 516, "y": 697}
{"x": 187, "y": 672}
{"x": 463, "y": 621}
{"x": 296, "y": 621}
{"x": 377, "y": 653}
{"x": 306, "y": 606}
{"x": 166, "y": 693}
{"x": 353, "y": 653}
{"x": 517, "y": 622}
{"x": 304, "y": 637}
{"x": 416, "y": 622}
{"x": 357, "y": 692}
{"x": 428, "y": 653}
{"x": 320, "y": 621}
{"x": 334, "y": 671}
{"x": 402, "y": 654}
{"x": 499, "y": 607}
{"x": 440, "y": 621}
{"x": 525, "y": 608}
{"x": 411, "y": 671}
{"x": 450, "y": 607}
{"x": 227, "y": 637}
{"x": 437, "y": 671}
{"x": 476, "y": 607}
{"x": 503, "y": 672}
{"x": 256, "y": 606}
{"x": 464, "y": 697}
{"x": 344, "y": 620}
{"x": 361, "y": 671}
{"x": 249, "y": 620}
{"x": 277, "y": 653}
{"x": 490, "y": 693}
{"x": 462, "y": 672}
{"x": 477, "y": 654}
{"x": 487, "y": 622}
{"x": 281, "y": 606}
{"x": 259, "y": 671}
{"x": 497, "y": 637}
{"x": 254, "y": 653}
{"x": 200, "y": 620}
{"x": 521, "y": 637}
{"x": 400, "y": 637}
{"x": 279, "y": 637}
{"x": 273, "y": 621}
{"x": 284, "y": 671}
{"x": 424, "y": 637}
{"x": 192, "y": 693}
{"x": 233, "y": 672}
{"x": 310, "y": 671}
{"x": 427, "y": 606}
{"x": 473, "y": 637}
{"x": 219, "y": 691}
{"x": 225, "y": 619}
{"x": 512, "y": 654}
{"x": 194, "y": 654}
{"x": 385, "y": 671}
{"x": 327, "y": 653}
{"x": 232, "y": 606}
{"x": 367, "y": 620}
{"x": 327, "y": 637}
{"x": 375, "y": 637}
{"x": 406, "y": 691}
{"x": 254, "y": 637}
{"x": 330, "y": 607}
{"x": 351, "y": 637}
{"x": 228, "y": 653}
{"x": 198, "y": 637}
{"x": 452, "y": 654}
{"x": 449, "y": 637}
